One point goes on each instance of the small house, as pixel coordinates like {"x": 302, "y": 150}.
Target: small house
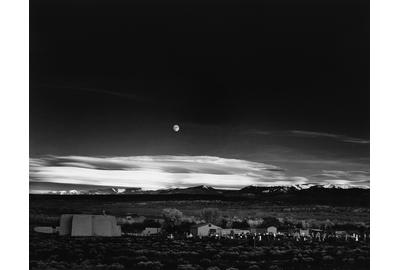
{"x": 272, "y": 230}
{"x": 316, "y": 233}
{"x": 151, "y": 231}
{"x": 340, "y": 234}
{"x": 205, "y": 229}
{"x": 48, "y": 230}
{"x": 304, "y": 232}
{"x": 258, "y": 230}
{"x": 234, "y": 231}
{"x": 137, "y": 219}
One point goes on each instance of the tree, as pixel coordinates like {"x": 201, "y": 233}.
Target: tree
{"x": 184, "y": 227}
{"x": 240, "y": 224}
{"x": 210, "y": 215}
{"x": 151, "y": 223}
{"x": 270, "y": 221}
{"x": 172, "y": 216}
{"x": 224, "y": 223}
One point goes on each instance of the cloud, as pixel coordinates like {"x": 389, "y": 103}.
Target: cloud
{"x": 158, "y": 172}
{"x": 114, "y": 92}
{"x": 257, "y": 132}
{"x": 357, "y": 178}
{"x": 339, "y": 137}
{"x": 155, "y": 172}
{"x": 308, "y": 134}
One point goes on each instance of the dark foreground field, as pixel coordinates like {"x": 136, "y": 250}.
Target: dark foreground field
{"x": 55, "y": 252}
{"x": 132, "y": 252}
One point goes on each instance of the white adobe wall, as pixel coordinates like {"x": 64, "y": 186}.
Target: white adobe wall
{"x": 89, "y": 225}
{"x": 65, "y": 224}
{"x": 102, "y": 226}
{"x": 205, "y": 230}
{"x": 82, "y": 225}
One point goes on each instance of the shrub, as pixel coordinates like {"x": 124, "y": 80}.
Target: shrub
{"x": 213, "y": 268}
{"x": 116, "y": 266}
{"x": 185, "y": 267}
{"x": 141, "y": 258}
{"x": 327, "y": 258}
{"x": 156, "y": 265}
{"x": 210, "y": 215}
{"x": 308, "y": 259}
{"x": 205, "y": 262}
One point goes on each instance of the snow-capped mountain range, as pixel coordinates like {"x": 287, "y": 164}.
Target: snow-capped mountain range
{"x": 200, "y": 190}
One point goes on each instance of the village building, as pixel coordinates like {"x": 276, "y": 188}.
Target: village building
{"x": 138, "y": 219}
{"x": 254, "y": 222}
{"x": 65, "y": 225}
{"x": 304, "y": 232}
{"x": 258, "y": 230}
{"x": 41, "y": 229}
{"x": 316, "y": 233}
{"x": 205, "y": 229}
{"x": 151, "y": 231}
{"x": 89, "y": 225}
{"x": 272, "y": 230}
{"x": 341, "y": 234}
{"x": 315, "y": 230}
{"x": 232, "y": 231}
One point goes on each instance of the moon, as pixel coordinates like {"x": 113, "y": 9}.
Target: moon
{"x": 175, "y": 128}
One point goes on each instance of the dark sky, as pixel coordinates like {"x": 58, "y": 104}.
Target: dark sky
{"x": 112, "y": 77}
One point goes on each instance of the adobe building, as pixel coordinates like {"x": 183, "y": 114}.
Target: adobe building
{"x": 89, "y": 225}
{"x": 304, "y": 232}
{"x": 226, "y": 232}
{"x": 258, "y": 230}
{"x": 151, "y": 231}
{"x": 272, "y": 230}
{"x": 65, "y": 225}
{"x": 41, "y": 229}
{"x": 205, "y": 229}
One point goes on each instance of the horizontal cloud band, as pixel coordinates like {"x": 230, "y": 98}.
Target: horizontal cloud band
{"x": 159, "y": 172}
{"x": 156, "y": 172}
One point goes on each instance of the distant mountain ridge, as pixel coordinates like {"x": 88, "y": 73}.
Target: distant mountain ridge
{"x": 205, "y": 190}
